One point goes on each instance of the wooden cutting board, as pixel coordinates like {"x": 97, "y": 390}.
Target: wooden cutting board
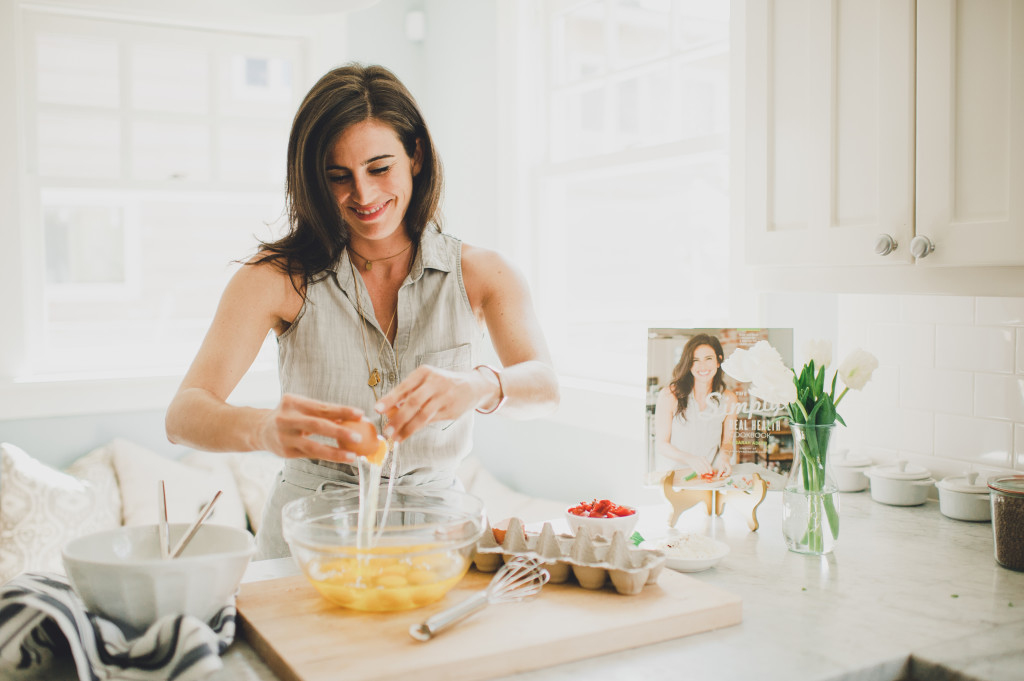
{"x": 303, "y": 637}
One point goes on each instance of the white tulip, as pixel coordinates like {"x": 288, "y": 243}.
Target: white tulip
{"x": 740, "y": 365}
{"x": 773, "y": 383}
{"x": 820, "y": 352}
{"x": 764, "y": 354}
{"x": 856, "y": 369}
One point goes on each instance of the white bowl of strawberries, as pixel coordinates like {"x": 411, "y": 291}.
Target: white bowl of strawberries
{"x": 602, "y": 518}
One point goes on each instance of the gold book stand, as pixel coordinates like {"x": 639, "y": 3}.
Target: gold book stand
{"x": 715, "y": 500}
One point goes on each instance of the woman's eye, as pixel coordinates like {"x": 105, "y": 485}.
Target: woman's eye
{"x": 337, "y": 179}
{"x": 380, "y": 171}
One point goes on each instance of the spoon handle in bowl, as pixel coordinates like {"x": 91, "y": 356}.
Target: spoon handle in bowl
{"x": 165, "y": 542}
{"x": 187, "y": 537}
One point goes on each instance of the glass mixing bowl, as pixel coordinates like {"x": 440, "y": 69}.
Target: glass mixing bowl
{"x": 421, "y": 546}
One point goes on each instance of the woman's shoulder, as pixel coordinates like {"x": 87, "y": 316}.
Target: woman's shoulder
{"x": 488, "y": 273}
{"x": 265, "y": 281}
{"x": 480, "y": 258}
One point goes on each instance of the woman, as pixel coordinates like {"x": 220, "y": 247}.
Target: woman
{"x": 377, "y": 312}
{"x": 695, "y": 416}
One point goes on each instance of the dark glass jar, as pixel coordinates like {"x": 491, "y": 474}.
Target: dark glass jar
{"x": 1007, "y": 499}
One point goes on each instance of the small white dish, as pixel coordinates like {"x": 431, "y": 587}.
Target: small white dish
{"x": 605, "y": 527}
{"x": 689, "y": 552}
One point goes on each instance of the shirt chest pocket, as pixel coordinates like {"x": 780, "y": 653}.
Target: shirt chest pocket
{"x": 459, "y": 358}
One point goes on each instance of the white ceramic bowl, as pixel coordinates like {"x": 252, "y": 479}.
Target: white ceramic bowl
{"x": 689, "y": 552}
{"x": 961, "y": 497}
{"x": 120, "y": 575}
{"x": 604, "y": 528}
{"x": 850, "y": 472}
{"x": 900, "y": 484}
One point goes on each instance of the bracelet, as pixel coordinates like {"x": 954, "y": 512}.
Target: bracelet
{"x": 501, "y": 389}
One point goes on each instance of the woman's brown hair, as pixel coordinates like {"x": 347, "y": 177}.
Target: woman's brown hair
{"x": 682, "y": 377}
{"x": 343, "y": 97}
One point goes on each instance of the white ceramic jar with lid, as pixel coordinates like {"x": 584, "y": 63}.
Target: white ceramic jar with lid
{"x": 962, "y": 497}
{"x": 849, "y": 469}
{"x": 900, "y": 483}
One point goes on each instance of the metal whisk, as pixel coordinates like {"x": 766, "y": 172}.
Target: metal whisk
{"x": 519, "y": 579}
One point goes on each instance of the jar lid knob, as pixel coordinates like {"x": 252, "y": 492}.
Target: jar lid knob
{"x": 971, "y": 477}
{"x": 901, "y": 465}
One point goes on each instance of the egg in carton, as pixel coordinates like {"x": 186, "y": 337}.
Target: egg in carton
{"x": 593, "y": 561}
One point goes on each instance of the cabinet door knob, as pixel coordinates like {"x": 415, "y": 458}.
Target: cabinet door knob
{"x": 885, "y": 244}
{"x": 921, "y": 246}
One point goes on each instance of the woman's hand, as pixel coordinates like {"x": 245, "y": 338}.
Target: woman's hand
{"x": 431, "y": 394}
{"x": 698, "y": 463}
{"x": 285, "y": 430}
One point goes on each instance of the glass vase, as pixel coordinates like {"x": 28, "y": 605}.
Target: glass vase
{"x": 810, "y": 499}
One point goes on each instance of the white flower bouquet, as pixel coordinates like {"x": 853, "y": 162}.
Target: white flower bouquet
{"x": 812, "y": 416}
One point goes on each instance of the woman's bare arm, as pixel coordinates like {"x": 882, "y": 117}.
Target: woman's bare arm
{"x": 257, "y": 300}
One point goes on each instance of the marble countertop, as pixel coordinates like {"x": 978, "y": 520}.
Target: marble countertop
{"x": 907, "y": 594}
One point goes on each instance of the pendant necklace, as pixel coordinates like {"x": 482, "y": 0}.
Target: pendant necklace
{"x": 374, "y": 378}
{"x": 369, "y": 263}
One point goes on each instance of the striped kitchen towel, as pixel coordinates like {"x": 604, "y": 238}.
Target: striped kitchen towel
{"x": 42, "y": 619}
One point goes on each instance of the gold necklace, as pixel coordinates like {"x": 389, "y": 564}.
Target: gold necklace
{"x": 374, "y": 374}
{"x": 369, "y": 263}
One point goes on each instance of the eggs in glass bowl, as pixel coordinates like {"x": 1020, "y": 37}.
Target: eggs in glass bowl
{"x": 409, "y": 551}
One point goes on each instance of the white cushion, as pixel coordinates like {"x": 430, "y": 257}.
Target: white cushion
{"x": 42, "y": 508}
{"x": 255, "y": 474}
{"x": 501, "y": 501}
{"x": 190, "y": 484}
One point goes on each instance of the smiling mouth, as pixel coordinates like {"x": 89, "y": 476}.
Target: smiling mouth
{"x": 370, "y": 212}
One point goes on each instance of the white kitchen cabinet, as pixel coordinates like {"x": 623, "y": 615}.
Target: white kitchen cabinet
{"x": 884, "y": 117}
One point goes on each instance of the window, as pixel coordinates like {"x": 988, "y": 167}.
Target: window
{"x": 155, "y": 157}
{"x": 631, "y": 204}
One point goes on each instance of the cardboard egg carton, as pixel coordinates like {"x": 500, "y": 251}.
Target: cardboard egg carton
{"x": 592, "y": 561}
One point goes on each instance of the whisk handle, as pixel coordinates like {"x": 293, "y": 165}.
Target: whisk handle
{"x": 437, "y": 623}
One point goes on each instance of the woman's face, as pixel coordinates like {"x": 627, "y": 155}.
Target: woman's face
{"x": 371, "y": 179}
{"x": 705, "y": 364}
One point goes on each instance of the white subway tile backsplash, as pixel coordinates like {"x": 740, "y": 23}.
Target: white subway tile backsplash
{"x": 883, "y": 390}
{"x": 883, "y": 343}
{"x": 974, "y": 348}
{"x": 1020, "y": 351}
{"x": 999, "y": 397}
{"x": 850, "y": 334}
{"x": 917, "y": 431}
{"x": 917, "y": 345}
{"x": 949, "y": 390}
{"x": 984, "y": 442}
{"x": 909, "y": 431}
{"x": 876, "y": 308}
{"x": 878, "y": 428}
{"x": 946, "y": 392}
{"x": 937, "y": 309}
{"x": 999, "y": 312}
{"x": 1018, "y": 446}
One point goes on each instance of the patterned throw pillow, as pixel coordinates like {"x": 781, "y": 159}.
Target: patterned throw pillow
{"x": 41, "y": 508}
